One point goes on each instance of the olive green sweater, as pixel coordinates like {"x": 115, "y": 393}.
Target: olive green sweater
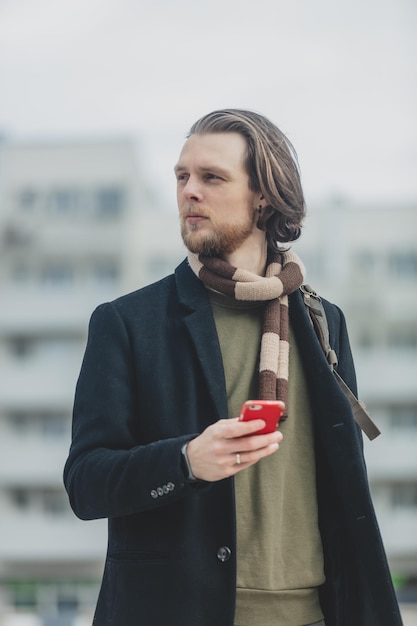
{"x": 279, "y": 551}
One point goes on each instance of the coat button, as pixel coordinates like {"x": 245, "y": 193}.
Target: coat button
{"x": 224, "y": 553}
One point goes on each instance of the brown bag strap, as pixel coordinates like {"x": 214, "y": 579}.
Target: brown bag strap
{"x": 318, "y": 317}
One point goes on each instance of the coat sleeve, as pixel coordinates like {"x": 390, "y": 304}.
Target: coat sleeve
{"x": 107, "y": 474}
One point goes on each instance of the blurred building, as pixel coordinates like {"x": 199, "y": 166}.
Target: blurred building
{"x": 77, "y": 227}
{"x": 364, "y": 258}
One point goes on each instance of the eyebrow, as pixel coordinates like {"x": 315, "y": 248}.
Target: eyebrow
{"x": 215, "y": 169}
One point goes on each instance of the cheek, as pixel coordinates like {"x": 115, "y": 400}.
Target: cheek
{"x": 180, "y": 197}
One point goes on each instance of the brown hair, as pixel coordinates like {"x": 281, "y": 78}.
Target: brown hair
{"x": 272, "y": 166}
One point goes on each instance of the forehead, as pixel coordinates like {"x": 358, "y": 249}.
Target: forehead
{"x": 223, "y": 150}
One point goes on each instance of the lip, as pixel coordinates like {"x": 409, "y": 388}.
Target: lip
{"x": 195, "y": 219}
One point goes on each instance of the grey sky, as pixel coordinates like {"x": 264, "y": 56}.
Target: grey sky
{"x": 338, "y": 77}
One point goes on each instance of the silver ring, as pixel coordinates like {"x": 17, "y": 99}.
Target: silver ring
{"x": 238, "y": 461}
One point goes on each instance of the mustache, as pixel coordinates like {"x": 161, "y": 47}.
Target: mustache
{"x": 194, "y": 212}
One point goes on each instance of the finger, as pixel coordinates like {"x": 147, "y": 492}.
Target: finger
{"x": 249, "y": 443}
{"x": 246, "y": 459}
{"x": 257, "y": 442}
{"x": 234, "y": 427}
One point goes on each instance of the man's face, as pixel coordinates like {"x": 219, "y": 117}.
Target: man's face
{"x": 217, "y": 209}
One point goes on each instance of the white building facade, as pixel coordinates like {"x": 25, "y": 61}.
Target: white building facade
{"x": 78, "y": 227}
{"x": 364, "y": 258}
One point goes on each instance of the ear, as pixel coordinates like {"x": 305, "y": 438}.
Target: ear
{"x": 261, "y": 202}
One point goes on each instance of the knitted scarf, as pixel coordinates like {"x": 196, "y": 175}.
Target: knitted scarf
{"x": 284, "y": 274}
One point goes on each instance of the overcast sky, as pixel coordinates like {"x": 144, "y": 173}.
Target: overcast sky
{"x": 337, "y": 76}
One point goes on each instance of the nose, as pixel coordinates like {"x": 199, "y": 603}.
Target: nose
{"x": 192, "y": 189}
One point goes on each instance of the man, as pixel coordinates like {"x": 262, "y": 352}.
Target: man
{"x": 210, "y": 524}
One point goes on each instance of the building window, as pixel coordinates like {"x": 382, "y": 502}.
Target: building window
{"x": 21, "y": 273}
{"x": 15, "y": 237}
{"x": 24, "y": 595}
{"x": 20, "y": 422}
{"x": 404, "y": 496}
{"x": 21, "y": 346}
{"x": 57, "y": 275}
{"x": 57, "y": 602}
{"x": 47, "y": 347}
{"x": 365, "y": 261}
{"x": 62, "y": 201}
{"x": 20, "y": 498}
{"x": 403, "y": 418}
{"x": 403, "y": 338}
{"x": 67, "y": 603}
{"x": 37, "y": 500}
{"x": 110, "y": 202}
{"x": 54, "y": 502}
{"x": 27, "y": 199}
{"x": 159, "y": 266}
{"x": 106, "y": 272}
{"x": 404, "y": 264}
{"x": 55, "y": 426}
{"x": 45, "y": 425}
{"x": 366, "y": 340}
{"x": 56, "y": 348}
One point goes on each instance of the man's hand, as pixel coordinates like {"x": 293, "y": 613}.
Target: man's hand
{"x": 215, "y": 454}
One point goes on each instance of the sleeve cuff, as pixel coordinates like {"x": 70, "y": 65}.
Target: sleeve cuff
{"x": 186, "y": 464}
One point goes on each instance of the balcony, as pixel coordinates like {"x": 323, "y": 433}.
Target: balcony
{"x": 386, "y": 375}
{"x": 50, "y": 311}
{"x": 43, "y": 383}
{"x": 392, "y": 456}
{"x": 31, "y": 461}
{"x": 35, "y": 537}
{"x": 398, "y": 531}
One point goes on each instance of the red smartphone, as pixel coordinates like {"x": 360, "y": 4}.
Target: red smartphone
{"x": 268, "y": 410}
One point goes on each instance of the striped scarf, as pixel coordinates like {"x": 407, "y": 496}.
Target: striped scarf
{"x": 284, "y": 274}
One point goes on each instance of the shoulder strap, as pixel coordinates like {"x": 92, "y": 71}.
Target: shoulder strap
{"x": 318, "y": 317}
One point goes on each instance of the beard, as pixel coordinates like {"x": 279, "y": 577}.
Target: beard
{"x": 220, "y": 241}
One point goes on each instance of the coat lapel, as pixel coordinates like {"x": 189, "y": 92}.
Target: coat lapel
{"x": 199, "y": 321}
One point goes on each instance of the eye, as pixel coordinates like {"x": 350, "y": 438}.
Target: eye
{"x": 212, "y": 177}
{"x": 181, "y": 177}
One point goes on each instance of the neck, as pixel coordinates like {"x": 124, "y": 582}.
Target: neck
{"x": 251, "y": 255}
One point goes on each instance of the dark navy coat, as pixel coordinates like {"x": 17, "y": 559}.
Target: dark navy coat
{"x": 152, "y": 377}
